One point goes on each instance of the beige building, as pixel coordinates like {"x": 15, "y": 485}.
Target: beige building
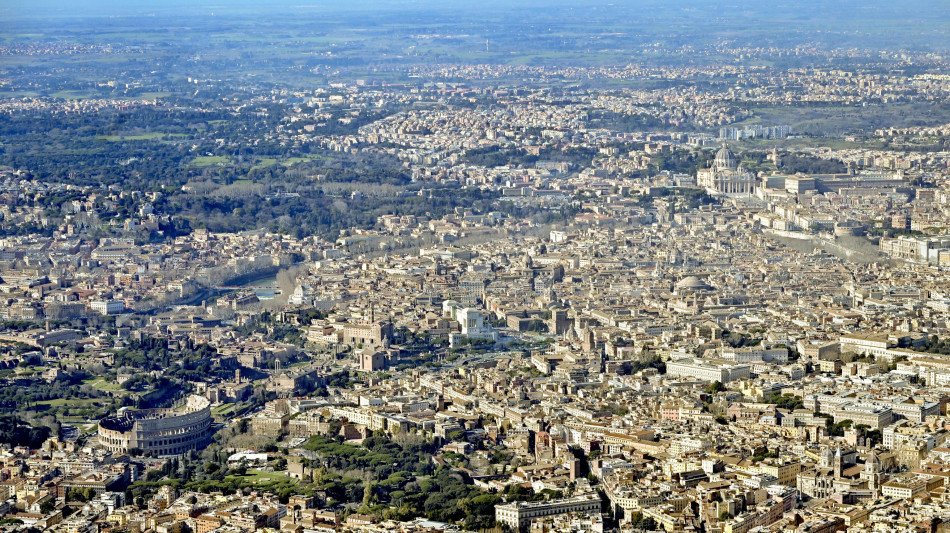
{"x": 726, "y": 175}
{"x": 697, "y": 369}
{"x": 518, "y": 515}
{"x": 904, "y": 487}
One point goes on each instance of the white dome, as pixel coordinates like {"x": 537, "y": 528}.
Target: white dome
{"x": 725, "y": 159}
{"x": 692, "y": 283}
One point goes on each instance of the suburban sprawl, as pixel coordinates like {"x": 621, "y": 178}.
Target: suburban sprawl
{"x": 372, "y": 278}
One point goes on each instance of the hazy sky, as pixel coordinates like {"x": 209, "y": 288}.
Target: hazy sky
{"x": 40, "y": 8}
{"x": 919, "y": 21}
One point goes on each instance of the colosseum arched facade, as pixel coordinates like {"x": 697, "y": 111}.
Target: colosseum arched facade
{"x": 169, "y": 431}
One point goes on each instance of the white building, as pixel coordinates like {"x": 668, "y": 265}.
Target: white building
{"x": 756, "y": 355}
{"x": 471, "y": 325}
{"x": 302, "y": 295}
{"x": 519, "y": 515}
{"x": 107, "y": 307}
{"x": 694, "y": 368}
{"x": 726, "y": 175}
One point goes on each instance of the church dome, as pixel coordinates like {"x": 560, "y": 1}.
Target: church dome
{"x": 725, "y": 159}
{"x": 692, "y": 283}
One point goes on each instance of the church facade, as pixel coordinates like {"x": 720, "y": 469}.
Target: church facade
{"x": 726, "y": 175}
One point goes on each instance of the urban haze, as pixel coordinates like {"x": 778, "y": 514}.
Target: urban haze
{"x": 441, "y": 266}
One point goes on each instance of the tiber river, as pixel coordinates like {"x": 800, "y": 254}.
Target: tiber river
{"x": 265, "y": 287}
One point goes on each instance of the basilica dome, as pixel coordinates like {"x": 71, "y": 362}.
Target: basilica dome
{"x": 725, "y": 159}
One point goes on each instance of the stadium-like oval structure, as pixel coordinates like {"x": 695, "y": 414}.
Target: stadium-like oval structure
{"x": 170, "y": 431}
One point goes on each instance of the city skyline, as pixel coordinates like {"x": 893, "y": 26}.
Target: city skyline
{"x": 450, "y": 266}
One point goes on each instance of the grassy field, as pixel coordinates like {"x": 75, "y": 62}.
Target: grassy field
{"x": 9, "y": 93}
{"x": 292, "y": 160}
{"x": 264, "y": 162}
{"x": 225, "y": 409}
{"x": 28, "y": 370}
{"x": 140, "y": 137}
{"x": 71, "y": 95}
{"x": 72, "y": 402}
{"x": 807, "y": 142}
{"x": 77, "y": 421}
{"x": 258, "y": 476}
{"x": 208, "y": 160}
{"x": 103, "y": 385}
{"x": 842, "y": 119}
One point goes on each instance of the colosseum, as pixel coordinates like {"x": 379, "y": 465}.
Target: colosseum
{"x": 169, "y": 431}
